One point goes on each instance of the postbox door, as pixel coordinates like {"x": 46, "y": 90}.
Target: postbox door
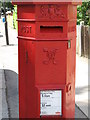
{"x": 50, "y": 62}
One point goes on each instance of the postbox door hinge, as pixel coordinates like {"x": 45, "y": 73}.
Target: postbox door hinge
{"x": 69, "y": 44}
{"x": 26, "y": 54}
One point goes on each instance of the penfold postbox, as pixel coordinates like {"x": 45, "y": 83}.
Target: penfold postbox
{"x": 47, "y": 57}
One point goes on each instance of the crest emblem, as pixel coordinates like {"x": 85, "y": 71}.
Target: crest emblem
{"x": 50, "y": 54}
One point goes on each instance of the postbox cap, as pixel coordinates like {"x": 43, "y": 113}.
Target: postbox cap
{"x": 19, "y": 2}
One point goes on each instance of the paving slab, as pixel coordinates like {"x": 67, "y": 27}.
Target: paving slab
{"x": 0, "y": 104}
{"x": 81, "y": 95}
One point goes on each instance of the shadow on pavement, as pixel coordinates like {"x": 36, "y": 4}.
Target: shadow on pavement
{"x": 1, "y": 35}
{"x": 9, "y": 45}
{"x": 11, "y": 79}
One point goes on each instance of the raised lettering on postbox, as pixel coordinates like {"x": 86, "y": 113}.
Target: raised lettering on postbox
{"x": 26, "y": 29}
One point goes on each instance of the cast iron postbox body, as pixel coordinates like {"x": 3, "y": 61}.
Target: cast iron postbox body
{"x": 47, "y": 54}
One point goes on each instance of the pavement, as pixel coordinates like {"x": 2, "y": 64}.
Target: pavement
{"x": 82, "y": 84}
{"x": 8, "y": 74}
{"x": 9, "y": 105}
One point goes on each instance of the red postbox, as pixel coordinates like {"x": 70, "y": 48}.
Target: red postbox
{"x": 47, "y": 55}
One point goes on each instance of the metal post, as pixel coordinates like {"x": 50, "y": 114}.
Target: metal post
{"x": 6, "y": 27}
{"x": 0, "y": 9}
{"x": 89, "y": 34}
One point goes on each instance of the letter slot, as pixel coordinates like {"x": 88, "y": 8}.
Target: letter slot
{"x": 51, "y": 29}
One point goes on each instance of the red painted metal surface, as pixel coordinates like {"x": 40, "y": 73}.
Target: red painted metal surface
{"x": 47, "y": 55}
